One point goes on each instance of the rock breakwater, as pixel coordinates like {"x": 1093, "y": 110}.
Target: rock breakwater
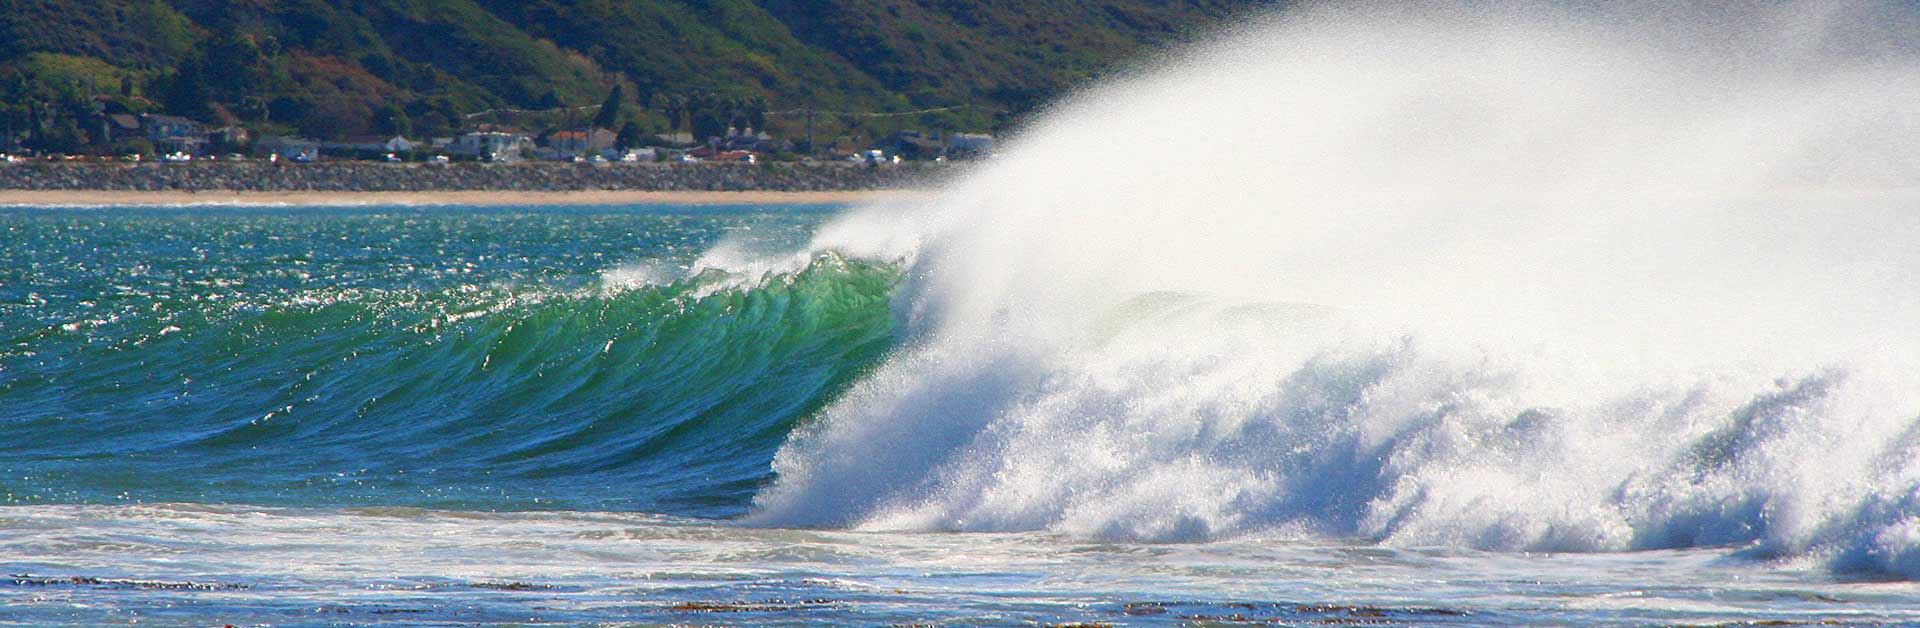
{"x": 380, "y": 177}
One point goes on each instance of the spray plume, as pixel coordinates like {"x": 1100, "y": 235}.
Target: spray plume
{"x": 1495, "y": 276}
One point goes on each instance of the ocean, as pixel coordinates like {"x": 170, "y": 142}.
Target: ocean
{"x": 460, "y": 416}
{"x": 1476, "y": 314}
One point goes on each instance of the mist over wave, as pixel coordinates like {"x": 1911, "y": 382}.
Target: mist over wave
{"x": 1495, "y": 276}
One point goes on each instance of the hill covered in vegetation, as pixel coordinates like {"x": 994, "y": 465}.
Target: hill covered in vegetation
{"x": 339, "y": 68}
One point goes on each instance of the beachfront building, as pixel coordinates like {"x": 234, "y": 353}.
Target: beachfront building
{"x": 290, "y": 148}
{"x": 751, "y": 140}
{"x": 228, "y": 136}
{"x": 173, "y": 134}
{"x": 913, "y": 145}
{"x": 921, "y": 145}
{"x": 634, "y": 155}
{"x": 374, "y": 145}
{"x": 120, "y": 127}
{"x": 492, "y": 145}
{"x": 161, "y": 128}
{"x": 677, "y": 139}
{"x": 969, "y": 145}
{"x": 580, "y": 142}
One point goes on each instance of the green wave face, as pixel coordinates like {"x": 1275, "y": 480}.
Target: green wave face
{"x": 333, "y": 371}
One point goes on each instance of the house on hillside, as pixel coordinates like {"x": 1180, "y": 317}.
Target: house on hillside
{"x": 160, "y": 128}
{"x": 171, "y": 134}
{"x": 229, "y": 136}
{"x": 120, "y": 127}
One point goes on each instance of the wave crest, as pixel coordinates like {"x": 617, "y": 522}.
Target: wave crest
{"x": 636, "y": 393}
{"x": 1579, "y": 280}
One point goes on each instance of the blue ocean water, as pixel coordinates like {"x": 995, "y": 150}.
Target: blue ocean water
{"x": 1474, "y": 314}
{"x": 460, "y": 416}
{"x": 458, "y": 358}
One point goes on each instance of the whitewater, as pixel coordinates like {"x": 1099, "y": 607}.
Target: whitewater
{"x": 1489, "y": 314}
{"x": 1506, "y": 278}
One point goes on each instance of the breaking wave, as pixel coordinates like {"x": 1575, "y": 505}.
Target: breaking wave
{"x": 642, "y": 392}
{"x": 1502, "y": 277}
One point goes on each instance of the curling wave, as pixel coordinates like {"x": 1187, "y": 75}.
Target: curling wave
{"x": 633, "y": 394}
{"x": 1492, "y": 276}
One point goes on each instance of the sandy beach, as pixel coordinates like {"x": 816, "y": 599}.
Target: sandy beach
{"x": 105, "y": 198}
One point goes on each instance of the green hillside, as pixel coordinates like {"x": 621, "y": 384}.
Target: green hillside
{"x": 338, "y": 68}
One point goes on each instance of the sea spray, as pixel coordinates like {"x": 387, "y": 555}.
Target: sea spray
{"x": 1492, "y": 276}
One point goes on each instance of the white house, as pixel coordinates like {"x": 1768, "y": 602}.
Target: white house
{"x": 493, "y": 145}
{"x": 399, "y": 144}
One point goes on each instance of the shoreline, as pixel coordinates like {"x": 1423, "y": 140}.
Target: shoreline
{"x": 137, "y": 198}
{"x": 368, "y": 183}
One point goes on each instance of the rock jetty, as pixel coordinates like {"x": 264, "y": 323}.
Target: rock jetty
{"x": 258, "y": 176}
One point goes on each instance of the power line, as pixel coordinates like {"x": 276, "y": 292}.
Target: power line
{"x": 485, "y": 112}
{"x": 864, "y": 114}
{"x": 787, "y": 113}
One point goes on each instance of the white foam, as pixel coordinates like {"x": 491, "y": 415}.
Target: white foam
{"x": 1495, "y": 276}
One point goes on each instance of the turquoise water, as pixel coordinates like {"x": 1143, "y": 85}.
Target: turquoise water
{"x": 448, "y": 358}
{"x": 458, "y": 416}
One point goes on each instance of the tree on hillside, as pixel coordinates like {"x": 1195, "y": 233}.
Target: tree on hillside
{"x": 708, "y": 116}
{"x": 675, "y": 106}
{"x": 630, "y": 136}
{"x": 609, "y": 110}
{"x": 336, "y": 118}
{"x": 391, "y": 120}
{"x": 187, "y": 93}
{"x": 232, "y": 65}
{"x": 434, "y": 116}
{"x": 757, "y": 113}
